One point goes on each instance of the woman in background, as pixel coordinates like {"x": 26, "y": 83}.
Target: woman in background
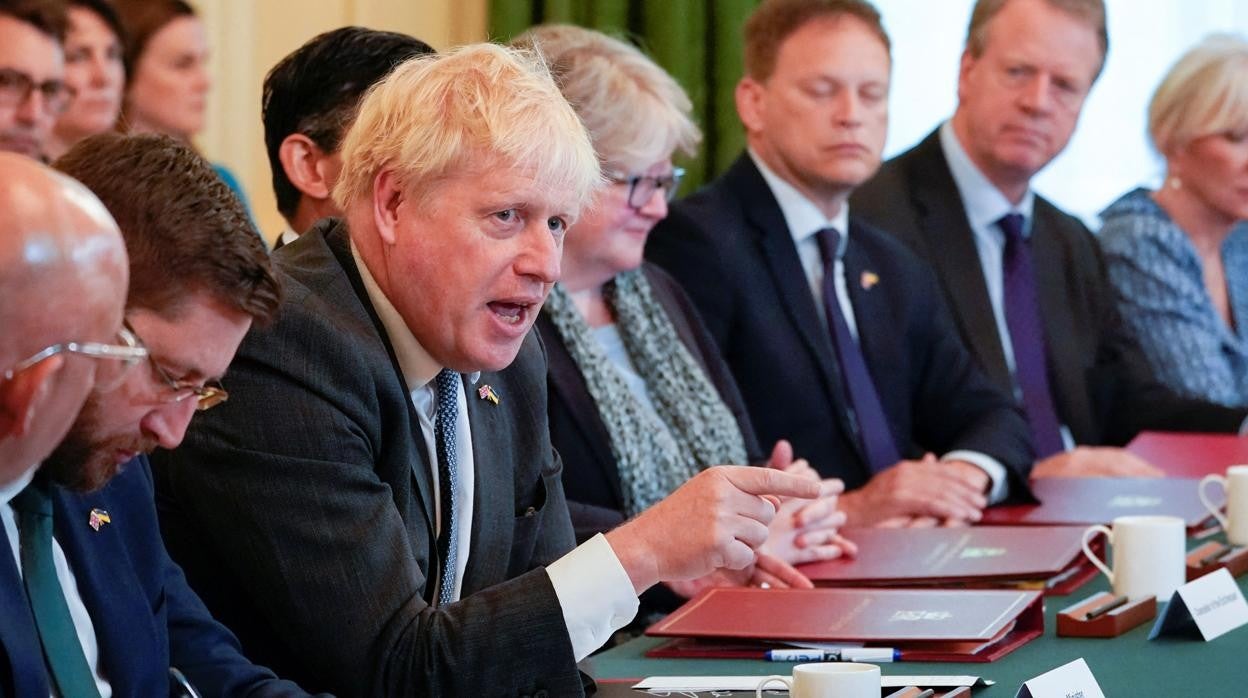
{"x": 166, "y": 57}
{"x": 93, "y": 70}
{"x": 640, "y": 400}
{"x": 1178, "y": 257}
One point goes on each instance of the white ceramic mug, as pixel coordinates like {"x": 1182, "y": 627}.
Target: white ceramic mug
{"x": 1149, "y": 554}
{"x": 1235, "y": 521}
{"x": 828, "y": 680}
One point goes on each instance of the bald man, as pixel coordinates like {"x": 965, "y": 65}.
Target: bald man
{"x": 63, "y": 277}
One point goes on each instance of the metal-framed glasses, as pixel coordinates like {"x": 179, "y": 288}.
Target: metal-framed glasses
{"x": 641, "y": 188}
{"x": 207, "y": 395}
{"x": 16, "y": 87}
{"x": 115, "y": 359}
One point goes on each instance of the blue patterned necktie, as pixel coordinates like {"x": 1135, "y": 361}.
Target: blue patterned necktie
{"x": 447, "y": 388}
{"x": 1022, "y": 319}
{"x": 866, "y": 411}
{"x": 63, "y": 653}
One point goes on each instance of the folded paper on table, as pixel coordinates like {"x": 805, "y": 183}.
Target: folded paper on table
{"x": 1046, "y": 558}
{"x": 1099, "y": 500}
{"x": 1190, "y": 455}
{"x": 923, "y": 625}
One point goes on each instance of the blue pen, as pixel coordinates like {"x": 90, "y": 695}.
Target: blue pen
{"x": 848, "y": 654}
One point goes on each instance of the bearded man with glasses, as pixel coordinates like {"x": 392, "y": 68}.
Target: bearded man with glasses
{"x": 32, "y": 73}
{"x": 198, "y": 283}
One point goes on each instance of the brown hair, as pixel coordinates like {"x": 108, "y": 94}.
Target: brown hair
{"x": 776, "y": 20}
{"x": 141, "y": 19}
{"x": 1090, "y": 11}
{"x": 185, "y": 229}
{"x": 48, "y": 16}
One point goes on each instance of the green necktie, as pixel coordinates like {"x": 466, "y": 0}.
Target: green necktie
{"x": 61, "y": 650}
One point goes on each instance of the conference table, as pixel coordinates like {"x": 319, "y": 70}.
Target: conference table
{"x": 1128, "y": 665}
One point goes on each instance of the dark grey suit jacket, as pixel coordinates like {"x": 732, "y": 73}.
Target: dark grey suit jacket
{"x": 301, "y": 510}
{"x": 1103, "y": 389}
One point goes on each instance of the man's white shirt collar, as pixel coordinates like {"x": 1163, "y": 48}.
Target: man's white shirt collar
{"x": 11, "y": 490}
{"x": 801, "y": 214}
{"x": 983, "y": 202}
{"x": 417, "y": 365}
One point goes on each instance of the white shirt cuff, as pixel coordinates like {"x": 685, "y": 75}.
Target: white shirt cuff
{"x": 991, "y": 467}
{"x": 594, "y": 592}
{"x": 1243, "y": 427}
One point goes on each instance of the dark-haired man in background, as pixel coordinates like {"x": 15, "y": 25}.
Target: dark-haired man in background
{"x": 310, "y": 99}
{"x": 32, "y": 73}
{"x": 199, "y": 277}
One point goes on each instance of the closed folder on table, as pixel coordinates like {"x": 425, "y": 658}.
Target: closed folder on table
{"x": 1099, "y": 500}
{"x": 924, "y": 625}
{"x": 1047, "y": 558}
{"x": 1190, "y": 455}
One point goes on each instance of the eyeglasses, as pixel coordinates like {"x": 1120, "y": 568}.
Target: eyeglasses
{"x": 642, "y": 187}
{"x": 116, "y": 359}
{"x": 16, "y": 87}
{"x": 207, "y": 396}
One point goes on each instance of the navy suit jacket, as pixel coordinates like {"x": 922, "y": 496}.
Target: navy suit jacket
{"x": 730, "y": 247}
{"x": 146, "y": 617}
{"x": 1103, "y": 388}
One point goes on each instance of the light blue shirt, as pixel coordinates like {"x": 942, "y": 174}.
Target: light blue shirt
{"x": 805, "y": 220}
{"x": 985, "y": 205}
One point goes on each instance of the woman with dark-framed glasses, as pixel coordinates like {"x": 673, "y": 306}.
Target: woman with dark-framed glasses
{"x": 640, "y": 399}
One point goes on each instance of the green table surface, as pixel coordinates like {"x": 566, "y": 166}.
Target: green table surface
{"x": 1128, "y": 665}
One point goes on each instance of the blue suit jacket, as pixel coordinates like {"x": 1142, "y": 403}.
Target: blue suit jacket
{"x": 146, "y": 617}
{"x": 730, "y": 247}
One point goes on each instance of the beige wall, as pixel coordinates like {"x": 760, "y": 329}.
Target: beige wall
{"x": 249, "y": 36}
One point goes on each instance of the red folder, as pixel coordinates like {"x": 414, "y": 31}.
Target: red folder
{"x": 924, "y": 625}
{"x": 1099, "y": 500}
{"x": 1046, "y": 558}
{"x": 1190, "y": 455}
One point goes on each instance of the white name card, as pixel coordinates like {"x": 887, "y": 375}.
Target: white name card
{"x": 1073, "y": 680}
{"x": 1213, "y": 605}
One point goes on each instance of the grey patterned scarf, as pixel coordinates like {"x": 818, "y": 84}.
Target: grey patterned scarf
{"x": 696, "y": 430}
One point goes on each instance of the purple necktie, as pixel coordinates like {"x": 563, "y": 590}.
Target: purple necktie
{"x": 1022, "y": 318}
{"x": 866, "y": 413}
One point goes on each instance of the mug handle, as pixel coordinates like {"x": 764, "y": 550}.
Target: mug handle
{"x": 788, "y": 683}
{"x": 1100, "y": 564}
{"x": 1204, "y": 499}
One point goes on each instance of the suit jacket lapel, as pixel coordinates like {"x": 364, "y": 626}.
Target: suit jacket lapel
{"x": 110, "y": 590}
{"x": 1050, "y": 261}
{"x": 772, "y": 236}
{"x": 493, "y": 500}
{"x": 337, "y": 242}
{"x": 950, "y": 245}
{"x": 18, "y": 637}
{"x": 567, "y": 384}
{"x": 776, "y": 246}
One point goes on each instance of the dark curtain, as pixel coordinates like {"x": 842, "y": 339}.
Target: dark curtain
{"x": 697, "y": 41}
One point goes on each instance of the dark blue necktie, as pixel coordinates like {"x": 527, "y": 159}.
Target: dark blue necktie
{"x": 447, "y": 388}
{"x": 61, "y": 650}
{"x": 1022, "y": 318}
{"x": 866, "y": 413}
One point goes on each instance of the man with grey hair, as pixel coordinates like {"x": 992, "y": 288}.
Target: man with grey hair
{"x": 402, "y": 528}
{"x": 1025, "y": 279}
{"x": 63, "y": 276}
